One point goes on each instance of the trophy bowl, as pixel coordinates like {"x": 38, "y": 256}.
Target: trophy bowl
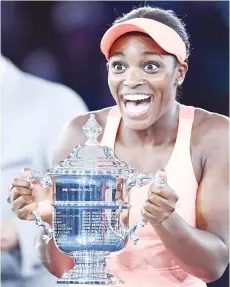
{"x": 90, "y": 208}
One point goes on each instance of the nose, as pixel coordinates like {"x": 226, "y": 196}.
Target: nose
{"x": 133, "y": 79}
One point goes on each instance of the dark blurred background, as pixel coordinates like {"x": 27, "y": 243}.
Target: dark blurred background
{"x": 59, "y": 41}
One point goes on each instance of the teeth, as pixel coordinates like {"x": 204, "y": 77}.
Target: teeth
{"x": 136, "y": 97}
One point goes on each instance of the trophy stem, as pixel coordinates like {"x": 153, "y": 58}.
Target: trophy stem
{"x": 89, "y": 269}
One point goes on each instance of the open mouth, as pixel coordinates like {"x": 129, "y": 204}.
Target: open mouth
{"x": 137, "y": 105}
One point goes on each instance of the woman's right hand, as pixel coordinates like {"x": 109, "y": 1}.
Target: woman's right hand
{"x": 26, "y": 196}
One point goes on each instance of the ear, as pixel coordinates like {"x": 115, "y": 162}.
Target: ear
{"x": 181, "y": 72}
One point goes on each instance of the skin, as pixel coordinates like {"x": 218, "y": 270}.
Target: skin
{"x": 204, "y": 252}
{"x": 9, "y": 236}
{"x": 131, "y": 72}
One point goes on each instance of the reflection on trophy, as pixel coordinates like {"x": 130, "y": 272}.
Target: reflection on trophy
{"x": 91, "y": 208}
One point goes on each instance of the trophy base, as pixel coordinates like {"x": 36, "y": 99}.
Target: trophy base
{"x": 98, "y": 279}
{"x": 90, "y": 268}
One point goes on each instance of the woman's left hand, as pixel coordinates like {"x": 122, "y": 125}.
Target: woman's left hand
{"x": 161, "y": 201}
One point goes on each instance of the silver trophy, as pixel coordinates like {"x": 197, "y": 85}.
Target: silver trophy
{"x": 91, "y": 208}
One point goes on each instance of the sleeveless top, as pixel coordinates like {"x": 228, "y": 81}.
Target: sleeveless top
{"x": 148, "y": 263}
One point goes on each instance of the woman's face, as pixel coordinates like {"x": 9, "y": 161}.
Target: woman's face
{"x": 142, "y": 79}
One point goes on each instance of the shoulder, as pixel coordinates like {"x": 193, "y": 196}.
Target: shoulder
{"x": 29, "y": 85}
{"x": 73, "y": 135}
{"x": 51, "y": 91}
{"x": 31, "y": 89}
{"x": 211, "y": 125}
{"x": 212, "y": 132}
{"x": 59, "y": 104}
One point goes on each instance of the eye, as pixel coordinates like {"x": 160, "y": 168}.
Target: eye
{"x": 151, "y": 66}
{"x": 118, "y": 67}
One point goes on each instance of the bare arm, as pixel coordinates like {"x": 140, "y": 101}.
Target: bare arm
{"x": 203, "y": 251}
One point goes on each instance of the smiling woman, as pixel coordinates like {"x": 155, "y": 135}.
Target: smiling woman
{"x": 186, "y": 240}
{"x": 137, "y": 72}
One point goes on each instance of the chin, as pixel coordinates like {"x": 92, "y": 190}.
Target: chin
{"x": 138, "y": 125}
{"x": 139, "y": 111}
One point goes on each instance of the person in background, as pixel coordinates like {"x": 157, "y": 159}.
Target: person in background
{"x": 33, "y": 113}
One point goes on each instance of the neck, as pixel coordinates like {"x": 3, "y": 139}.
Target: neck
{"x": 162, "y": 132}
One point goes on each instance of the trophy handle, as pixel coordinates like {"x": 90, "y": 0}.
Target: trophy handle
{"x": 138, "y": 181}
{"x": 40, "y": 222}
{"x": 45, "y": 181}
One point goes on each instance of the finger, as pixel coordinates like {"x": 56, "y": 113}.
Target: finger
{"x": 157, "y": 200}
{"x": 168, "y": 193}
{"x": 24, "y": 172}
{"x": 160, "y": 181}
{"x": 147, "y": 215}
{"x": 151, "y": 208}
{"x": 18, "y": 191}
{"x": 164, "y": 191}
{"x": 21, "y": 179}
{"x": 21, "y": 182}
{"x": 13, "y": 194}
{"x": 162, "y": 203}
{"x": 25, "y": 213}
{"x": 21, "y": 201}
{"x": 19, "y": 186}
{"x": 156, "y": 189}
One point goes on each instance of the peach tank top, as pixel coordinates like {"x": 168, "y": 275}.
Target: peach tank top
{"x": 148, "y": 264}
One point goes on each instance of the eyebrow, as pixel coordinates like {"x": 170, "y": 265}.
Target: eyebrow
{"x": 117, "y": 54}
{"x": 144, "y": 53}
{"x": 150, "y": 53}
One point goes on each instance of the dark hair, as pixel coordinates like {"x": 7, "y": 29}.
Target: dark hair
{"x": 167, "y": 17}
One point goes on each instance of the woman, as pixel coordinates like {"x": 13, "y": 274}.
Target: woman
{"x": 186, "y": 240}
